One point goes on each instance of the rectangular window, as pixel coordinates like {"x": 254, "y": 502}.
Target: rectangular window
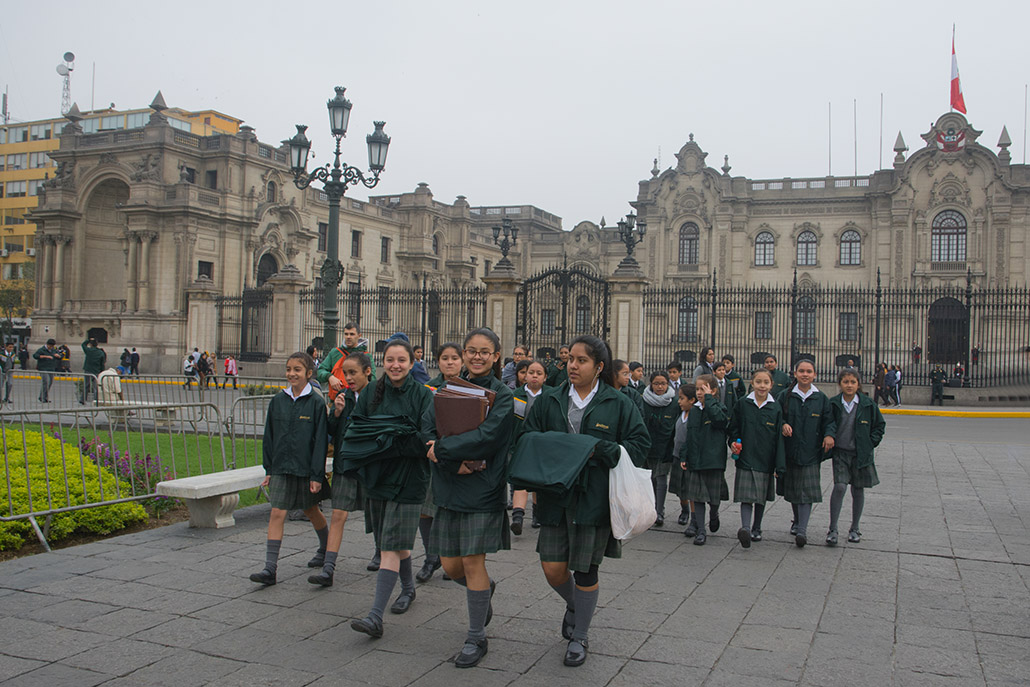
{"x": 39, "y": 132}
{"x": 181, "y": 125}
{"x": 547, "y": 320}
{"x": 14, "y": 246}
{"x": 35, "y": 185}
{"x": 90, "y": 126}
{"x": 354, "y": 301}
{"x": 136, "y": 120}
{"x": 763, "y": 325}
{"x": 848, "y": 329}
{"x": 383, "y": 307}
{"x": 16, "y": 189}
{"x": 112, "y": 122}
{"x": 355, "y": 244}
{"x": 486, "y": 268}
{"x": 205, "y": 269}
{"x": 17, "y": 161}
{"x": 211, "y": 179}
{"x": 40, "y": 159}
{"x": 191, "y": 175}
{"x": 323, "y": 236}
{"x": 384, "y": 251}
{"x": 805, "y": 329}
{"x": 18, "y": 134}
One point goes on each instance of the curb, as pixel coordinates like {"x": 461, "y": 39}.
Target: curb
{"x": 957, "y": 413}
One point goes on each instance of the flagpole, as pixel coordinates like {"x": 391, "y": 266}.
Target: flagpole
{"x": 855, "y": 121}
{"x": 1024, "y": 123}
{"x": 951, "y": 102}
{"x": 829, "y": 139}
{"x": 881, "y": 131}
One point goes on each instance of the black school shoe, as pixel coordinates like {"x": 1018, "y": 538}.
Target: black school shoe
{"x": 744, "y": 537}
{"x": 831, "y": 538}
{"x": 322, "y": 579}
{"x": 756, "y": 534}
{"x": 854, "y": 537}
{"x": 373, "y": 564}
{"x": 265, "y": 577}
{"x": 713, "y": 522}
{"x": 576, "y": 654}
{"x": 659, "y": 521}
{"x": 429, "y": 566}
{"x": 369, "y": 625}
{"x": 793, "y": 529}
{"x": 516, "y": 523}
{"x": 471, "y": 654}
{"x": 403, "y": 602}
{"x": 800, "y": 540}
{"x": 700, "y": 539}
{"x": 691, "y": 530}
{"x": 682, "y": 519}
{"x": 318, "y": 560}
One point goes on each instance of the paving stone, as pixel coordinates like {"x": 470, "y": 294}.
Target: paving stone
{"x": 783, "y": 665}
{"x": 54, "y": 645}
{"x": 636, "y": 673}
{"x": 257, "y": 675}
{"x": 446, "y": 675}
{"x": 184, "y": 632}
{"x": 12, "y": 666}
{"x": 679, "y": 651}
{"x": 392, "y": 668}
{"x": 59, "y": 674}
{"x": 181, "y": 669}
{"x": 119, "y": 656}
{"x": 74, "y": 613}
{"x": 128, "y": 621}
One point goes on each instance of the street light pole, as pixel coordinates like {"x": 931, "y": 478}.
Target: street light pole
{"x": 335, "y": 180}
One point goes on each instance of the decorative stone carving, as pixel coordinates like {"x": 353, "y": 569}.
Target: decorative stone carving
{"x": 64, "y": 177}
{"x": 148, "y": 168}
{"x": 107, "y": 159}
{"x": 950, "y": 189}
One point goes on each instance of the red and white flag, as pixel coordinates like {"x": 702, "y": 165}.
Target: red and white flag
{"x": 957, "y": 101}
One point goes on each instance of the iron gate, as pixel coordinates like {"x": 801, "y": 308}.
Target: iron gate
{"x": 559, "y": 304}
{"x": 245, "y": 325}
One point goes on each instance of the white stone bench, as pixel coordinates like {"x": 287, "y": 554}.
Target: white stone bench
{"x": 212, "y": 499}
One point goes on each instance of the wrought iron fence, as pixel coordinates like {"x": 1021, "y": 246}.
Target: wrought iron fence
{"x": 558, "y": 304}
{"x": 984, "y": 333}
{"x": 429, "y": 316}
{"x": 245, "y": 325}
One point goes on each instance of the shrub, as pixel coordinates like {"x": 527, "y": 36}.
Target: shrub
{"x": 139, "y": 475}
{"x": 66, "y": 466}
{"x": 259, "y": 389}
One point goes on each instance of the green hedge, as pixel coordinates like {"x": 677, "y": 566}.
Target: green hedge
{"x": 79, "y": 472}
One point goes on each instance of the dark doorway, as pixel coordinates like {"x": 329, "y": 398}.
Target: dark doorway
{"x": 267, "y": 266}
{"x": 947, "y": 332}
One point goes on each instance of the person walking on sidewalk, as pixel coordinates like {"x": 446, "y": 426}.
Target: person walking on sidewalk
{"x": 93, "y": 365}
{"x": 47, "y": 359}
{"x": 8, "y": 358}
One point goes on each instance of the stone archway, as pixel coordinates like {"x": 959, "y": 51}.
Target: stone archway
{"x": 267, "y": 266}
{"x": 103, "y": 267}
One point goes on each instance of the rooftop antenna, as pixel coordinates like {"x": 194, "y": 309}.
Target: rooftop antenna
{"x": 65, "y": 69}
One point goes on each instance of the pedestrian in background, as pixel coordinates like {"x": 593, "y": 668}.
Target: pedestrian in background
{"x": 7, "y": 361}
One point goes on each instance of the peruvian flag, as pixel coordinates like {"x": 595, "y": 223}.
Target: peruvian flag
{"x": 957, "y": 101}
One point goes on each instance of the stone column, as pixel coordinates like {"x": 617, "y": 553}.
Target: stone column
{"x": 285, "y": 320}
{"x": 46, "y": 243}
{"x": 201, "y": 318}
{"x": 59, "y": 243}
{"x": 502, "y": 288}
{"x": 626, "y": 319}
{"x": 146, "y": 237}
{"x": 131, "y": 301}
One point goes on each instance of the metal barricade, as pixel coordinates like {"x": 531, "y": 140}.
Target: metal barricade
{"x": 71, "y": 458}
{"x": 222, "y": 392}
{"x": 245, "y": 425}
{"x": 34, "y": 389}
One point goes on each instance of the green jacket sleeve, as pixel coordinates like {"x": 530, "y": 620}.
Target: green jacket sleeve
{"x": 325, "y": 368}
{"x": 319, "y": 438}
{"x": 828, "y": 426}
{"x": 715, "y": 411}
{"x": 879, "y": 426}
{"x": 266, "y": 442}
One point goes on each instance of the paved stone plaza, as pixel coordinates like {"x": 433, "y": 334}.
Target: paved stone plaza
{"x": 937, "y": 593}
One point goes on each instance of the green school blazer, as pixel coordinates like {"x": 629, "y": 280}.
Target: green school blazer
{"x": 661, "y": 425}
{"x": 636, "y": 396}
{"x": 338, "y": 425}
{"x": 705, "y": 447}
{"x": 869, "y": 426}
{"x": 295, "y": 439}
{"x": 483, "y": 491}
{"x": 613, "y": 420}
{"x": 760, "y": 431}
{"x": 810, "y": 420}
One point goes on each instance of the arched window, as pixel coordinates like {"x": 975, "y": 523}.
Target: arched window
{"x": 271, "y": 192}
{"x": 267, "y": 266}
{"x": 807, "y": 243}
{"x": 688, "y": 243}
{"x": 686, "y": 320}
{"x": 583, "y": 315}
{"x": 804, "y": 329}
{"x": 948, "y": 237}
{"x": 850, "y": 248}
{"x": 436, "y": 244}
{"x": 764, "y": 245}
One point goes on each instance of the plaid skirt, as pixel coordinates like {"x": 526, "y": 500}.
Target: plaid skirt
{"x": 750, "y": 486}
{"x": 678, "y": 480}
{"x": 467, "y": 534}
{"x": 578, "y": 545}
{"x": 801, "y": 484}
{"x": 393, "y": 524}
{"x": 845, "y": 472}
{"x": 428, "y": 507}
{"x": 659, "y": 469}
{"x": 705, "y": 486}
{"x": 346, "y": 493}
{"x": 292, "y": 492}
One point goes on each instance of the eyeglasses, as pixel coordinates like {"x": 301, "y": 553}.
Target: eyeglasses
{"x": 478, "y": 354}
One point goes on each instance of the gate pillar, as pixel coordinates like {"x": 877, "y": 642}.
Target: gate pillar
{"x": 626, "y": 292}
{"x": 201, "y": 318}
{"x": 502, "y": 289}
{"x": 285, "y": 320}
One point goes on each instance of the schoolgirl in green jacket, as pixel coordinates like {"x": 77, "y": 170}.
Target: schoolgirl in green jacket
{"x": 525, "y": 397}
{"x": 660, "y": 412}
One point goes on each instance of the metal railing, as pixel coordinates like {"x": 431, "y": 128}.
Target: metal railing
{"x": 63, "y": 390}
{"x": 246, "y": 425}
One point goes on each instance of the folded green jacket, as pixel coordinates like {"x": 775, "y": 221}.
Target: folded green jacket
{"x": 385, "y": 454}
{"x": 551, "y": 462}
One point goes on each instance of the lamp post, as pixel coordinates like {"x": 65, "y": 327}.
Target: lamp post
{"x": 631, "y": 232}
{"x": 507, "y": 229}
{"x": 335, "y": 180}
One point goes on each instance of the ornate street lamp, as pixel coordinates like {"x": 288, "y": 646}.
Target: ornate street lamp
{"x": 507, "y": 229}
{"x": 335, "y": 180}
{"x": 631, "y": 232}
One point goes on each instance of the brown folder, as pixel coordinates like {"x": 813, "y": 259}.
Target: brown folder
{"x": 475, "y": 389}
{"x": 457, "y": 413}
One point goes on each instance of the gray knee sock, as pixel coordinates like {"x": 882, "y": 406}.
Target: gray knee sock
{"x": 385, "y": 582}
{"x": 586, "y": 602}
{"x": 567, "y": 591}
{"x": 425, "y": 527}
{"x": 661, "y": 488}
{"x": 272, "y": 554}
{"x": 407, "y": 580}
{"x": 759, "y": 514}
{"x": 323, "y": 538}
{"x": 857, "y": 505}
{"x": 804, "y": 513}
{"x": 794, "y": 507}
{"x": 745, "y": 515}
{"x": 329, "y": 567}
{"x": 836, "y": 501}
{"x": 479, "y": 605}
{"x": 699, "y": 516}
{"x": 462, "y": 581}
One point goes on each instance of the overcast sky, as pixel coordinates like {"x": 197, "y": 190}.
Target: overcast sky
{"x": 563, "y": 105}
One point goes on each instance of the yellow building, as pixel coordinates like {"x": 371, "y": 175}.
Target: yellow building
{"x": 25, "y": 164}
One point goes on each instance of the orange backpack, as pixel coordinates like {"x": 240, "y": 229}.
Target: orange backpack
{"x": 337, "y": 372}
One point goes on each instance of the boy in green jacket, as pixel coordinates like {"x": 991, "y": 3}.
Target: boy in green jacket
{"x": 704, "y": 455}
{"x": 330, "y": 373}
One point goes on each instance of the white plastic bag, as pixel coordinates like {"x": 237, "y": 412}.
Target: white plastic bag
{"x": 631, "y": 498}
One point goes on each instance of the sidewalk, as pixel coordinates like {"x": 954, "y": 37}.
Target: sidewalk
{"x": 936, "y": 594}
